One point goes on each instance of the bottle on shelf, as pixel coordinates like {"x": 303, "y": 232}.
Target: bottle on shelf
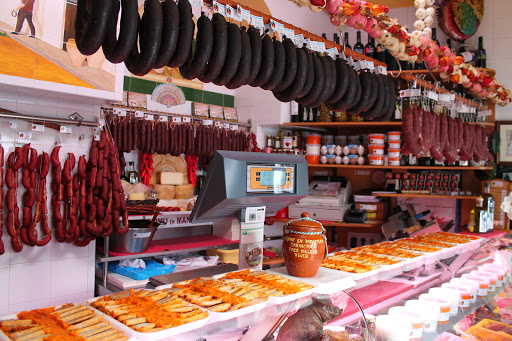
{"x": 380, "y": 53}
{"x": 347, "y": 45}
{"x": 449, "y": 44}
{"x": 359, "y": 47}
{"x": 391, "y": 61}
{"x": 489, "y": 206}
{"x": 482, "y": 54}
{"x": 131, "y": 173}
{"x": 369, "y": 49}
{"x": 480, "y": 216}
{"x": 336, "y": 38}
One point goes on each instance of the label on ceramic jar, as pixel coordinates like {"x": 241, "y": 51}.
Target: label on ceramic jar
{"x": 430, "y": 326}
{"x": 416, "y": 333}
{"x": 301, "y": 247}
{"x": 482, "y": 292}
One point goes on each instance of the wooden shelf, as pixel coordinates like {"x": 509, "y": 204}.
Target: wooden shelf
{"x": 397, "y": 167}
{"x": 364, "y": 124}
{"x": 336, "y": 224}
{"x": 400, "y": 195}
{"x": 490, "y": 72}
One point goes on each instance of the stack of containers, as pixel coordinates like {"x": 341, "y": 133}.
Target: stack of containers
{"x": 376, "y": 149}
{"x": 394, "y": 145}
{"x": 313, "y": 143}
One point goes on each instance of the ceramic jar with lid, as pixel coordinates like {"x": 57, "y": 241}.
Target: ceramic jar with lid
{"x": 304, "y": 246}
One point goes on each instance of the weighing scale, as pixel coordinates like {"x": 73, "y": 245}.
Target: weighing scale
{"x": 249, "y": 186}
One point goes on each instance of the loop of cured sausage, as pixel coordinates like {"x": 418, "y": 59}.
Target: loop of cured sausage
{"x": 91, "y": 23}
{"x": 279, "y": 66}
{"x": 244, "y": 68}
{"x": 234, "y": 53}
{"x": 198, "y": 59}
{"x": 170, "y": 32}
{"x": 292, "y": 92}
{"x": 267, "y": 62}
{"x": 290, "y": 70}
{"x": 219, "y": 49}
{"x": 116, "y": 50}
{"x": 185, "y": 35}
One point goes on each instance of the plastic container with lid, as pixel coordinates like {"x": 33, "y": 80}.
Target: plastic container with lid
{"x": 376, "y": 160}
{"x": 394, "y": 153}
{"x": 376, "y": 149}
{"x": 483, "y": 283}
{"x": 394, "y": 135}
{"x": 428, "y": 310}
{"x": 394, "y": 161}
{"x": 469, "y": 282}
{"x": 313, "y": 139}
{"x": 502, "y": 267}
{"x": 451, "y": 295}
{"x": 416, "y": 320}
{"x": 497, "y": 271}
{"x": 313, "y": 159}
{"x": 390, "y": 328}
{"x": 445, "y": 307}
{"x": 465, "y": 291}
{"x": 394, "y": 144}
{"x": 377, "y": 138}
{"x": 492, "y": 276}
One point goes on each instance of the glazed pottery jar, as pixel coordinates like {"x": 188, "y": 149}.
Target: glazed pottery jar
{"x": 304, "y": 246}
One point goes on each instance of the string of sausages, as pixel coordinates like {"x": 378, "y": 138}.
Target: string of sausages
{"x": 162, "y": 137}
{"x": 444, "y": 138}
{"x": 87, "y": 201}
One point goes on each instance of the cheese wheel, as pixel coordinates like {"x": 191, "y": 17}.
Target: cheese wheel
{"x": 184, "y": 192}
{"x": 136, "y": 196}
{"x": 164, "y": 192}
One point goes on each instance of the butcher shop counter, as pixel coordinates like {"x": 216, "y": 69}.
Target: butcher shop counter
{"x": 348, "y": 291}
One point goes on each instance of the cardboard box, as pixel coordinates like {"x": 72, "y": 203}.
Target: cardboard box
{"x": 499, "y": 190}
{"x": 374, "y": 210}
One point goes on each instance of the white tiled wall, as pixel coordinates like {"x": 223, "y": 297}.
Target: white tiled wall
{"x": 58, "y": 272}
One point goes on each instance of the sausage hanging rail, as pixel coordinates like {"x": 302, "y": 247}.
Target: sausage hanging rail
{"x": 36, "y": 119}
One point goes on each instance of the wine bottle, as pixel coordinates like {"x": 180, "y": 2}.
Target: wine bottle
{"x": 336, "y": 38}
{"x": 347, "y": 45}
{"x": 380, "y": 53}
{"x": 449, "y": 44}
{"x": 369, "y": 49}
{"x": 470, "y": 57}
{"x": 482, "y": 54}
{"x": 359, "y": 47}
{"x": 391, "y": 61}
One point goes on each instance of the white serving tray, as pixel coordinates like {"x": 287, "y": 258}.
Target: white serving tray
{"x": 326, "y": 281}
{"x": 159, "y": 335}
{"x": 284, "y": 298}
{"x": 116, "y": 324}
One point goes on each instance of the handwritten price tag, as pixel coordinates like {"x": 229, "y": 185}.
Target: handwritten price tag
{"x": 187, "y": 119}
{"x": 176, "y": 119}
{"x": 139, "y": 114}
{"x": 148, "y": 117}
{"x": 25, "y": 136}
{"x": 13, "y": 124}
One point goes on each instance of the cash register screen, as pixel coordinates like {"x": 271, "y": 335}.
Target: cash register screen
{"x": 270, "y": 178}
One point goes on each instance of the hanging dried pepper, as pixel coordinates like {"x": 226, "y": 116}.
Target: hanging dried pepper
{"x": 192, "y": 168}
{"x": 146, "y": 168}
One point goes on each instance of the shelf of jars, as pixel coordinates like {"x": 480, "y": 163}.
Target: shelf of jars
{"x": 320, "y": 165}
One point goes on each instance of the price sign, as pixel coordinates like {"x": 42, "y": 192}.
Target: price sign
{"x": 219, "y": 8}
{"x": 25, "y": 136}
{"x": 148, "y": 117}
{"x": 207, "y": 122}
{"x": 289, "y": 33}
{"x": 187, "y": 119}
{"x": 139, "y": 114}
{"x": 37, "y": 127}
{"x": 232, "y": 13}
{"x": 299, "y": 40}
{"x": 176, "y": 119}
{"x": 243, "y": 13}
{"x": 257, "y": 21}
{"x": 13, "y": 124}
{"x": 66, "y": 130}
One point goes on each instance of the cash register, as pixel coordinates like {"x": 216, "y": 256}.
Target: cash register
{"x": 328, "y": 199}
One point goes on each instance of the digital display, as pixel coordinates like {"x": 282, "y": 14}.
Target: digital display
{"x": 277, "y": 177}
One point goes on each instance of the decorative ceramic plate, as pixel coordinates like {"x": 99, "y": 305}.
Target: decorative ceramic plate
{"x": 168, "y": 95}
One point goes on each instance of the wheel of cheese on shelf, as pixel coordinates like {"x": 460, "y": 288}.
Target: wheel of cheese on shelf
{"x": 184, "y": 191}
{"x": 164, "y": 192}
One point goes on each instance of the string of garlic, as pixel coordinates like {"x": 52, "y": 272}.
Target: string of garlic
{"x": 425, "y": 13}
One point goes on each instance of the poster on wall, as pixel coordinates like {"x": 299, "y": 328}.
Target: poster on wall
{"x": 504, "y": 155}
{"x": 37, "y": 43}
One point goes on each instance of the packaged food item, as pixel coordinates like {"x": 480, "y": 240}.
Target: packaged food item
{"x": 394, "y": 135}
{"x": 464, "y": 291}
{"x": 468, "y": 282}
{"x": 416, "y": 321}
{"x": 428, "y": 310}
{"x": 394, "y": 161}
{"x": 377, "y": 138}
{"x": 376, "y": 149}
{"x": 353, "y": 159}
{"x": 313, "y": 149}
{"x": 353, "y": 149}
{"x": 314, "y": 139}
{"x": 323, "y": 159}
{"x": 395, "y": 144}
{"x": 483, "y": 283}
{"x": 451, "y": 295}
{"x": 392, "y": 329}
{"x": 313, "y": 159}
{"x": 394, "y": 153}
{"x": 376, "y": 160}
{"x": 444, "y": 307}
{"x": 493, "y": 278}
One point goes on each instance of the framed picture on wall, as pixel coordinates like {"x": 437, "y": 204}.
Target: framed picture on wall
{"x": 504, "y": 156}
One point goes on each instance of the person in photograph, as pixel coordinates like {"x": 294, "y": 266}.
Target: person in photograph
{"x": 24, "y": 12}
